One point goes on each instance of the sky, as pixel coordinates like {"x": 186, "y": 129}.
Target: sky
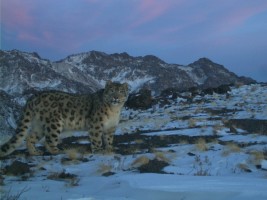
{"x": 229, "y": 32}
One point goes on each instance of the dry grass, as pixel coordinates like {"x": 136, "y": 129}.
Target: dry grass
{"x": 231, "y": 148}
{"x": 163, "y": 156}
{"x": 183, "y": 142}
{"x": 201, "y": 144}
{"x": 244, "y": 167}
{"x": 70, "y": 179}
{"x": 142, "y": 160}
{"x": 104, "y": 168}
{"x": 192, "y": 123}
{"x": 7, "y": 195}
{"x": 202, "y": 172}
{"x": 257, "y": 157}
{"x": 202, "y": 166}
{"x": 139, "y": 141}
{"x": 73, "y": 154}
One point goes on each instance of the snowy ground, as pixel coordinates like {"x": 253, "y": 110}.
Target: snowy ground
{"x": 190, "y": 148}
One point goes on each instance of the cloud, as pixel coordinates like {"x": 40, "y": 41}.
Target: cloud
{"x": 16, "y": 14}
{"x": 149, "y": 10}
{"x": 234, "y": 17}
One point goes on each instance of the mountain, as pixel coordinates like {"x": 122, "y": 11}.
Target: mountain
{"x": 87, "y": 72}
{"x": 21, "y": 72}
{"x": 208, "y": 74}
{"x": 147, "y": 72}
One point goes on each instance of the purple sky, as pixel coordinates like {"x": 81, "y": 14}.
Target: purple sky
{"x": 229, "y": 32}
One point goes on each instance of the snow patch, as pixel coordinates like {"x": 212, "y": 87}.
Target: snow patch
{"x": 139, "y": 82}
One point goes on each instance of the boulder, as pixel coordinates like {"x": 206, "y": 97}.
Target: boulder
{"x": 140, "y": 100}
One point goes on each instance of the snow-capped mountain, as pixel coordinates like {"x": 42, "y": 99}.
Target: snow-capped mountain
{"x": 146, "y": 72}
{"x": 87, "y": 72}
{"x": 21, "y": 72}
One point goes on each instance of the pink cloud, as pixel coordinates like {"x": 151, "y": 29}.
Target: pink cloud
{"x": 24, "y": 20}
{"x": 149, "y": 10}
{"x": 16, "y": 14}
{"x": 237, "y": 17}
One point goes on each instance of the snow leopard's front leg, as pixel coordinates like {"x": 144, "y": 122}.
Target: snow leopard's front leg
{"x": 95, "y": 137}
{"x": 108, "y": 139}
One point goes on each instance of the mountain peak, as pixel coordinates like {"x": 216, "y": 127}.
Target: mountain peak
{"x": 152, "y": 58}
{"x": 124, "y": 54}
{"x": 203, "y": 61}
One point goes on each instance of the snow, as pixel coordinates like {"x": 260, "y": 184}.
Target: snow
{"x": 229, "y": 166}
{"x": 187, "y": 132}
{"x": 139, "y": 82}
{"x": 264, "y": 164}
{"x": 189, "y": 71}
{"x": 135, "y": 84}
{"x": 149, "y": 186}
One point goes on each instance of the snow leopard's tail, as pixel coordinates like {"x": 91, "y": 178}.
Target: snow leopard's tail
{"x": 21, "y": 133}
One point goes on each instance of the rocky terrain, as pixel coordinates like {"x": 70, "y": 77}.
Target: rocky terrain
{"x": 204, "y": 144}
{"x": 23, "y": 74}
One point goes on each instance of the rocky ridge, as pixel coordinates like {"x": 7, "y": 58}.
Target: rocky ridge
{"x": 147, "y": 72}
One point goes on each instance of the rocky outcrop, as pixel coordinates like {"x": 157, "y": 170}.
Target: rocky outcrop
{"x": 140, "y": 100}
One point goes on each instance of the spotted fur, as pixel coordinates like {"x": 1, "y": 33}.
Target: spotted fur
{"x": 50, "y": 113}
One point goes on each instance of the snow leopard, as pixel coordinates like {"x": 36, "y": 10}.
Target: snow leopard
{"x": 49, "y": 113}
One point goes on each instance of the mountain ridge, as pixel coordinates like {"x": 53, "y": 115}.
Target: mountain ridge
{"x": 151, "y": 72}
{"x": 88, "y": 71}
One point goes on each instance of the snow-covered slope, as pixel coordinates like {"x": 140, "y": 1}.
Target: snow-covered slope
{"x": 186, "y": 149}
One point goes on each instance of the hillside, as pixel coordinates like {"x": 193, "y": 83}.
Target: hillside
{"x": 207, "y": 147}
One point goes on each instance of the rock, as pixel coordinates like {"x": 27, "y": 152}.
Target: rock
{"x": 140, "y": 100}
{"x": 249, "y": 125}
{"x": 222, "y": 89}
{"x": 170, "y": 93}
{"x": 208, "y": 91}
{"x": 107, "y": 174}
{"x": 17, "y": 168}
{"x": 153, "y": 166}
